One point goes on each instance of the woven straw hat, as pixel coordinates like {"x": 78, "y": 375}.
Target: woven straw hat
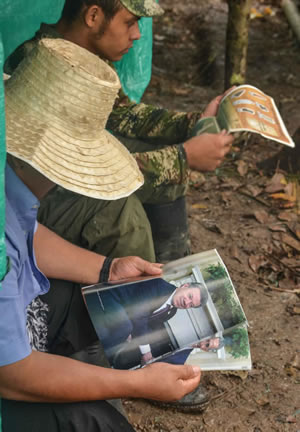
{"x": 57, "y": 104}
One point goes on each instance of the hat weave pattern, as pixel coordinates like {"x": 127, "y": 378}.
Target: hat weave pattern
{"x": 57, "y": 104}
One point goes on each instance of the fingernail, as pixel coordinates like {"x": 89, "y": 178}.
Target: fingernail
{"x": 196, "y": 370}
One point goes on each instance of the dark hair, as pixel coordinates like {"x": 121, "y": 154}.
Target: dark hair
{"x": 73, "y": 8}
{"x": 220, "y": 345}
{"x": 203, "y": 292}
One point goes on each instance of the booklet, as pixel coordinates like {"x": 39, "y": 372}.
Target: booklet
{"x": 246, "y": 108}
{"x": 191, "y": 314}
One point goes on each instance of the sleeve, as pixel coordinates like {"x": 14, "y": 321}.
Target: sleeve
{"x": 166, "y": 166}
{"x": 144, "y": 349}
{"x": 150, "y": 123}
{"x": 14, "y": 342}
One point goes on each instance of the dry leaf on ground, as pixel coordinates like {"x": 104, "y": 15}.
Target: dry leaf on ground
{"x": 277, "y": 227}
{"x": 257, "y": 261}
{"x": 254, "y": 190}
{"x": 199, "y": 206}
{"x": 235, "y": 253}
{"x": 295, "y": 228}
{"x": 276, "y": 184}
{"x": 242, "y": 168}
{"x": 263, "y": 400}
{"x": 290, "y": 241}
{"x": 287, "y": 215}
{"x": 261, "y": 216}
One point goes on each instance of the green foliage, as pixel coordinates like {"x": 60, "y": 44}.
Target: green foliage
{"x": 216, "y": 271}
{"x": 239, "y": 346}
{"x": 227, "y": 304}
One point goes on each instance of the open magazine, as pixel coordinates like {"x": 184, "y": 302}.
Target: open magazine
{"x": 191, "y": 314}
{"x": 246, "y": 108}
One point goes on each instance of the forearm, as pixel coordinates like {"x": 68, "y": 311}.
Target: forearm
{"x": 152, "y": 124}
{"x": 59, "y": 259}
{"x": 43, "y": 377}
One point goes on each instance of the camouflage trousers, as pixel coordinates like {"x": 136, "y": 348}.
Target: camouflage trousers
{"x": 112, "y": 228}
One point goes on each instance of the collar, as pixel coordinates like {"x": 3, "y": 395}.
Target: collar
{"x": 47, "y": 30}
{"x": 18, "y": 194}
{"x": 168, "y": 302}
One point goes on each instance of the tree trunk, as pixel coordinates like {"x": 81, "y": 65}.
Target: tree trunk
{"x": 293, "y": 17}
{"x": 237, "y": 42}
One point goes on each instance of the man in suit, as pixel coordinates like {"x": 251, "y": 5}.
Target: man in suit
{"x": 133, "y": 315}
{"x": 207, "y": 345}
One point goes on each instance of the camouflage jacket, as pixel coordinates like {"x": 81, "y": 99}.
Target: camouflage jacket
{"x": 159, "y": 127}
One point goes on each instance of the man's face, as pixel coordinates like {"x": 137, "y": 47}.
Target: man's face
{"x": 209, "y": 344}
{"x": 186, "y": 297}
{"x": 112, "y": 40}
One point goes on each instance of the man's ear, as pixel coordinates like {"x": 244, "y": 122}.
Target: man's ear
{"x": 93, "y": 16}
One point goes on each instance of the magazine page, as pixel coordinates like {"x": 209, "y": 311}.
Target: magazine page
{"x": 140, "y": 321}
{"x": 227, "y": 351}
{"x": 246, "y": 108}
{"x": 144, "y": 320}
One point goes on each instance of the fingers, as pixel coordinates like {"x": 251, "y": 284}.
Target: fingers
{"x": 151, "y": 268}
{"x": 227, "y": 138}
{"x": 229, "y": 90}
{"x": 218, "y": 99}
{"x": 169, "y": 382}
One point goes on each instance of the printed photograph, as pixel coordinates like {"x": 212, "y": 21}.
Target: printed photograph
{"x": 141, "y": 321}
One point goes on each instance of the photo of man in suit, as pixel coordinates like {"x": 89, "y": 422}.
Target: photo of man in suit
{"x": 129, "y": 319}
{"x": 212, "y": 344}
{"x": 207, "y": 345}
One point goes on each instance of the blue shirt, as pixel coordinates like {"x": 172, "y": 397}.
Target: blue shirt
{"x": 24, "y": 281}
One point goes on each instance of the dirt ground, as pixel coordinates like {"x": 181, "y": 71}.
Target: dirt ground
{"x": 233, "y": 210}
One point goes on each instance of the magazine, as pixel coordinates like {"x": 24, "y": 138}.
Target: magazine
{"x": 191, "y": 314}
{"x": 246, "y": 108}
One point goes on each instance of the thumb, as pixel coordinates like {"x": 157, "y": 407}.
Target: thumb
{"x": 190, "y": 378}
{"x": 224, "y": 132}
{"x": 189, "y": 372}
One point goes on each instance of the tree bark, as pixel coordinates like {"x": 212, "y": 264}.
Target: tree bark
{"x": 292, "y": 15}
{"x": 237, "y": 42}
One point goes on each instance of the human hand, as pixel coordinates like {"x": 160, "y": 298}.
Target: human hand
{"x": 166, "y": 382}
{"x": 207, "y": 151}
{"x": 145, "y": 358}
{"x": 133, "y": 266}
{"x": 211, "y": 109}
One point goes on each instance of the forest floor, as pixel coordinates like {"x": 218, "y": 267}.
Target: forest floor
{"x": 234, "y": 211}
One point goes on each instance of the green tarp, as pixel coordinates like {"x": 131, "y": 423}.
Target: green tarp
{"x": 19, "y": 20}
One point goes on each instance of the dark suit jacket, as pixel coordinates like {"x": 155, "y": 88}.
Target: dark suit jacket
{"x": 128, "y": 309}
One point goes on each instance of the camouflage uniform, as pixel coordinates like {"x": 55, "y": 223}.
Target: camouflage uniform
{"x": 153, "y": 135}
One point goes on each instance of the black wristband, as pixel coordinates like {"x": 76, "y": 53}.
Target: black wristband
{"x": 104, "y": 272}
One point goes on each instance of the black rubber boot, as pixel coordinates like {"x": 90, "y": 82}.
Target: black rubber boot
{"x": 170, "y": 232}
{"x": 196, "y": 401}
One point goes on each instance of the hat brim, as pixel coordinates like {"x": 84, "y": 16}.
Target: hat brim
{"x": 99, "y": 168}
{"x": 146, "y": 8}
